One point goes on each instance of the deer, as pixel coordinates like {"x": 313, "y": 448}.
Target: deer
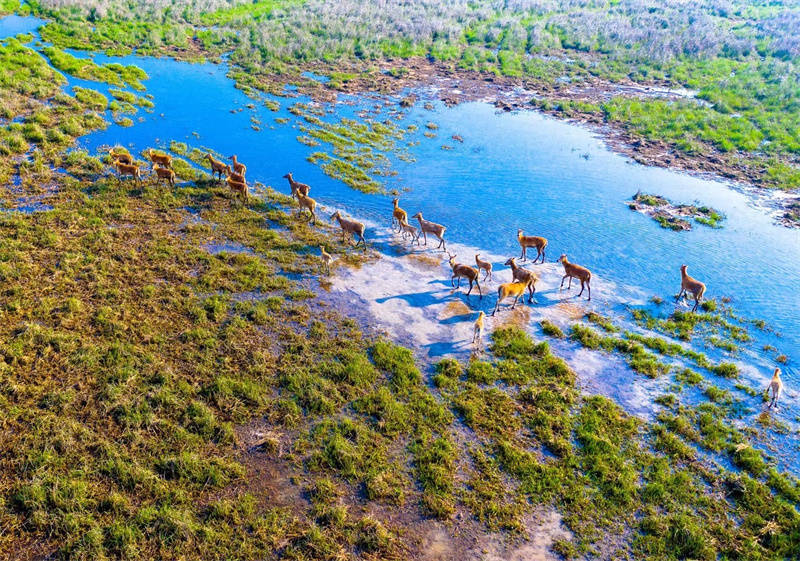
{"x": 239, "y": 187}
{"x": 519, "y": 274}
{"x": 217, "y": 167}
{"x": 428, "y": 227}
{"x": 573, "y": 271}
{"x": 326, "y": 257}
{"x": 776, "y": 388}
{"x": 463, "y": 271}
{"x": 407, "y": 228}
{"x": 477, "y": 334}
{"x": 507, "y": 290}
{"x": 485, "y": 265}
{"x": 531, "y": 241}
{"x": 692, "y": 286}
{"x": 129, "y": 169}
{"x": 233, "y": 175}
{"x": 309, "y": 204}
{"x": 165, "y": 173}
{"x": 350, "y": 227}
{"x": 297, "y": 187}
{"x": 398, "y": 215}
{"x": 123, "y": 157}
{"x": 164, "y": 160}
{"x": 238, "y": 166}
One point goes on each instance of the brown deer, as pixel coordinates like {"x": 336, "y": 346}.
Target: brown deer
{"x": 407, "y": 228}
{"x": 463, "y": 271}
{"x": 217, "y": 167}
{"x": 165, "y": 173}
{"x": 572, "y": 271}
{"x": 352, "y": 227}
{"x": 238, "y": 166}
{"x": 326, "y": 257}
{"x": 507, "y": 290}
{"x": 776, "y": 388}
{"x": 122, "y": 157}
{"x": 238, "y": 187}
{"x": 519, "y": 274}
{"x": 129, "y": 169}
{"x": 477, "y": 333}
{"x": 309, "y": 204}
{"x": 485, "y": 265}
{"x": 429, "y": 227}
{"x": 297, "y": 187}
{"x": 398, "y": 215}
{"x": 233, "y": 175}
{"x": 692, "y": 286}
{"x": 165, "y": 160}
{"x": 531, "y": 241}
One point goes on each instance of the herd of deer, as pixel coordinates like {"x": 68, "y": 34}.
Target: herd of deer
{"x": 522, "y": 279}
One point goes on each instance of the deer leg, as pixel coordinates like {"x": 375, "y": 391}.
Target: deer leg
{"x": 452, "y": 281}
{"x": 470, "y": 288}
{"x": 497, "y": 305}
{"x": 514, "y": 305}
{"x": 696, "y": 303}
{"x": 581, "y": 292}
{"x": 562, "y": 281}
{"x": 531, "y": 288}
{"x": 524, "y": 254}
{"x": 425, "y": 235}
{"x": 678, "y": 297}
{"x": 569, "y": 284}
{"x": 479, "y": 288}
{"x": 589, "y": 286}
{"x": 542, "y": 255}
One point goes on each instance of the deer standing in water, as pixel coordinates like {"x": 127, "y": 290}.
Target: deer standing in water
{"x": 692, "y": 286}
{"x": 485, "y": 265}
{"x": 518, "y": 274}
{"x": 398, "y": 215}
{"x": 507, "y": 290}
{"x": 572, "y": 271}
{"x": 238, "y": 166}
{"x": 429, "y": 227}
{"x": 165, "y": 173}
{"x": 531, "y": 241}
{"x": 297, "y": 187}
{"x": 352, "y": 227}
{"x": 165, "y": 160}
{"x": 463, "y": 271}
{"x": 776, "y": 387}
{"x": 217, "y": 167}
{"x": 129, "y": 169}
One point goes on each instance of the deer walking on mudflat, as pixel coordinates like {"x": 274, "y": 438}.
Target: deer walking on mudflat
{"x": 573, "y": 271}
{"x": 352, "y": 227}
{"x": 428, "y": 227}
{"x": 463, "y": 271}
{"x": 536, "y": 242}
{"x": 691, "y": 286}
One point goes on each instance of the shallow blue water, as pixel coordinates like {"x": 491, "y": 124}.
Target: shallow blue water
{"x": 513, "y": 170}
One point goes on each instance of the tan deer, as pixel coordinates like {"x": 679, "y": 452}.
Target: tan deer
{"x": 518, "y": 274}
{"x": 398, "y": 215}
{"x": 776, "y": 388}
{"x": 531, "y": 241}
{"x": 485, "y": 266}
{"x": 463, "y": 271}
{"x": 129, "y": 169}
{"x": 428, "y": 227}
{"x": 507, "y": 290}
{"x": 165, "y": 160}
{"x": 572, "y": 271}
{"x": 407, "y": 228}
{"x": 352, "y": 227}
{"x": 239, "y": 187}
{"x": 326, "y": 257}
{"x": 691, "y": 286}
{"x": 165, "y": 173}
{"x": 238, "y": 167}
{"x": 233, "y": 175}
{"x": 477, "y": 333}
{"x": 122, "y": 157}
{"x": 297, "y": 187}
{"x": 217, "y": 167}
{"x": 309, "y": 204}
